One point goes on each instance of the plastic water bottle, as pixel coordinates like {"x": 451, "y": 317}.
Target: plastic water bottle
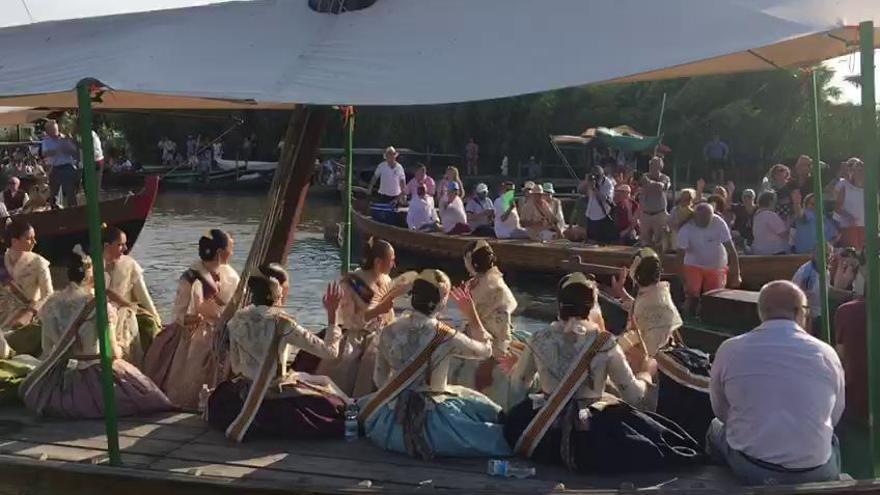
{"x": 506, "y": 469}
{"x": 351, "y": 422}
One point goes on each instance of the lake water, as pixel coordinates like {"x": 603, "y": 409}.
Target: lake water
{"x": 168, "y": 245}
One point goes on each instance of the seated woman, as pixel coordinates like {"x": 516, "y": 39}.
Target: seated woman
{"x": 181, "y": 360}
{"x": 139, "y": 321}
{"x": 263, "y": 398}
{"x": 769, "y": 231}
{"x": 572, "y": 358}
{"x": 538, "y": 216}
{"x": 367, "y": 306}
{"x": 67, "y": 383}
{"x": 25, "y": 284}
{"x": 495, "y": 305}
{"x": 415, "y": 411}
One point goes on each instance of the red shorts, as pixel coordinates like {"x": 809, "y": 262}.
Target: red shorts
{"x": 699, "y": 280}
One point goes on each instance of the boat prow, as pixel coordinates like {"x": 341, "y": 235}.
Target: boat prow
{"x": 58, "y": 231}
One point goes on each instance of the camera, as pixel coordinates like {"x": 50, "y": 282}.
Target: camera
{"x": 594, "y": 178}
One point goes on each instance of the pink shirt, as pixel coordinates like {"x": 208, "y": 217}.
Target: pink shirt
{"x": 413, "y": 185}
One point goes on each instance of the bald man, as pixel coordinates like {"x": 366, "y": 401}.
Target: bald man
{"x": 777, "y": 394}
{"x": 710, "y": 259}
{"x": 14, "y": 196}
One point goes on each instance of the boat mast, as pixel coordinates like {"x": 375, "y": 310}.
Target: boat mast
{"x": 872, "y": 283}
{"x": 346, "y": 214}
{"x": 84, "y": 99}
{"x": 821, "y": 245}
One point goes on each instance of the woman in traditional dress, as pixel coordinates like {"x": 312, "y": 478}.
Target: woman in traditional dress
{"x": 26, "y": 284}
{"x": 67, "y": 383}
{"x": 495, "y": 305}
{"x": 572, "y": 358}
{"x": 414, "y": 410}
{"x": 367, "y": 305}
{"x": 180, "y": 360}
{"x": 139, "y": 320}
{"x": 263, "y": 398}
{"x": 654, "y": 319}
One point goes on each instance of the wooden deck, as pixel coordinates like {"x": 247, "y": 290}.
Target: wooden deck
{"x": 178, "y": 453}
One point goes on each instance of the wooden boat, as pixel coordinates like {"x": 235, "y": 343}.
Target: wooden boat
{"x": 58, "y": 231}
{"x": 558, "y": 257}
{"x": 252, "y": 166}
{"x": 218, "y": 180}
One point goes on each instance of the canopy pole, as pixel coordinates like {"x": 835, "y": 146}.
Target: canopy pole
{"x": 349, "y": 167}
{"x": 97, "y": 251}
{"x": 821, "y": 245}
{"x": 872, "y": 283}
{"x": 662, "y": 111}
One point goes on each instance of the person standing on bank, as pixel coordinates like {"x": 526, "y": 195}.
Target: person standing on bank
{"x": 60, "y": 152}
{"x": 391, "y": 178}
{"x": 777, "y": 394}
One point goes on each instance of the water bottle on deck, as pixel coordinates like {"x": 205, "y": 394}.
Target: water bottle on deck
{"x": 351, "y": 422}
{"x": 506, "y": 469}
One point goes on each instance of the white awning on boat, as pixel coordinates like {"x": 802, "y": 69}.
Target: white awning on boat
{"x": 20, "y": 115}
{"x": 274, "y": 53}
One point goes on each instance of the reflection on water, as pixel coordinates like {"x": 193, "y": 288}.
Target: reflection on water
{"x": 168, "y": 245}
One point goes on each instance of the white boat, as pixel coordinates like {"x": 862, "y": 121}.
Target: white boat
{"x": 252, "y": 166}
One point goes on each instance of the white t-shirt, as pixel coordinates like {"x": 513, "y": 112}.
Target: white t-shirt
{"x": 704, "y": 247}
{"x": 770, "y": 233}
{"x": 453, "y": 214}
{"x": 596, "y": 210}
{"x": 475, "y": 206}
{"x": 390, "y": 178}
{"x": 503, "y": 229}
{"x": 421, "y": 212}
{"x": 854, "y": 203}
{"x": 99, "y": 151}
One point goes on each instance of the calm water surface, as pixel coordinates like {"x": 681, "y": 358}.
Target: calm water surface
{"x": 168, "y": 245}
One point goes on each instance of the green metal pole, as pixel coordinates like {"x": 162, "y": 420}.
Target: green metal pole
{"x": 872, "y": 284}
{"x": 349, "y": 166}
{"x": 825, "y": 328}
{"x": 97, "y": 247}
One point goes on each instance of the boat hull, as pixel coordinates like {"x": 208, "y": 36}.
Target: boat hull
{"x": 556, "y": 257}
{"x": 58, "y": 231}
{"x": 252, "y": 166}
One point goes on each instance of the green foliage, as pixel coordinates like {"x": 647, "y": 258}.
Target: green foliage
{"x": 764, "y": 117}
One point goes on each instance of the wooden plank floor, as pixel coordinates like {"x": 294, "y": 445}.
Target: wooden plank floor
{"x": 178, "y": 453}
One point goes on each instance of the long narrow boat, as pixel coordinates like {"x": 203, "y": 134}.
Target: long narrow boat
{"x": 558, "y": 256}
{"x": 58, "y": 231}
{"x": 249, "y": 166}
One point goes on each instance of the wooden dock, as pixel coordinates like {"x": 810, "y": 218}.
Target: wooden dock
{"x": 178, "y": 454}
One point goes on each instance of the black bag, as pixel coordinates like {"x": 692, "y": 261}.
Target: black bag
{"x": 623, "y": 439}
{"x": 683, "y": 394}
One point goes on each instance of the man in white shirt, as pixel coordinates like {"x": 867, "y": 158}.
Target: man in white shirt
{"x": 600, "y": 224}
{"x": 707, "y": 245}
{"x": 777, "y": 394}
{"x": 391, "y": 177}
{"x": 421, "y": 214}
{"x": 453, "y": 218}
{"x": 506, "y": 217}
{"x": 480, "y": 211}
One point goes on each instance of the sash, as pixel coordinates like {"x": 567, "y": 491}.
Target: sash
{"x": 8, "y": 282}
{"x": 259, "y": 387}
{"x": 209, "y": 287}
{"x": 407, "y": 375}
{"x": 574, "y": 377}
{"x": 57, "y": 357}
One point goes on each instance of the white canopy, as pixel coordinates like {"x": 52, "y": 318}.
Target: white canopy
{"x": 272, "y": 53}
{"x": 20, "y": 115}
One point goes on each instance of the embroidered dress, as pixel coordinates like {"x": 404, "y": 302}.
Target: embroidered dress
{"x": 180, "y": 360}
{"x": 293, "y": 405}
{"x": 139, "y": 322}
{"x": 352, "y": 371}
{"x": 24, "y": 284}
{"x": 654, "y": 315}
{"x": 548, "y": 356}
{"x": 495, "y": 305}
{"x": 430, "y": 417}
{"x": 67, "y": 383}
